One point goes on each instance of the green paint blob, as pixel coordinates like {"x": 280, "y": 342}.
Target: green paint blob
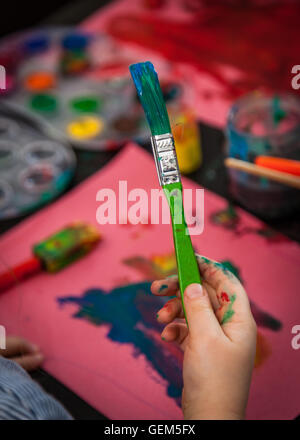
{"x": 229, "y": 312}
{"x": 163, "y": 287}
{"x": 43, "y": 103}
{"x": 86, "y": 104}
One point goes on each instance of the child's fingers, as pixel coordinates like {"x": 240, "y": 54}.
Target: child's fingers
{"x": 171, "y": 310}
{"x": 201, "y": 318}
{"x": 216, "y": 274}
{"x": 166, "y": 287}
{"x": 170, "y": 287}
{"x": 212, "y": 295}
{"x": 17, "y": 346}
{"x": 30, "y": 361}
{"x": 176, "y": 332}
{"x": 233, "y": 301}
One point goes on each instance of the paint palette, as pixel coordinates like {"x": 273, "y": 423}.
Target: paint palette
{"x": 87, "y": 113}
{"x": 54, "y": 78}
{"x": 33, "y": 169}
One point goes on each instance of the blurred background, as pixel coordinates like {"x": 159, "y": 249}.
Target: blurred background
{"x": 227, "y": 95}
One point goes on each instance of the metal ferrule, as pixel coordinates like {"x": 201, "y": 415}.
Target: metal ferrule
{"x": 165, "y": 158}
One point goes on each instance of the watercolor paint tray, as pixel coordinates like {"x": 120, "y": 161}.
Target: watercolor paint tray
{"x": 80, "y": 106}
{"x": 33, "y": 168}
{"x": 89, "y": 114}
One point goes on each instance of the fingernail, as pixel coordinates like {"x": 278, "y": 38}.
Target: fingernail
{"x": 194, "y": 291}
{"x": 163, "y": 287}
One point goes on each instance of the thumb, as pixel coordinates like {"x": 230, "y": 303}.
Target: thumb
{"x": 201, "y": 318}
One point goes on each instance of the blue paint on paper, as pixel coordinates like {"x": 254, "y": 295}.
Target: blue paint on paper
{"x": 129, "y": 311}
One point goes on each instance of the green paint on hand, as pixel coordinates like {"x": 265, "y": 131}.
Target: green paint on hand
{"x": 229, "y": 312}
{"x": 163, "y": 287}
{"x": 226, "y": 267}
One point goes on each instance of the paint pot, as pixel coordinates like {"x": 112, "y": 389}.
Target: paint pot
{"x": 75, "y": 41}
{"x": 86, "y": 104}
{"x": 266, "y": 125}
{"x": 43, "y": 103}
{"x": 6, "y": 194}
{"x": 36, "y": 44}
{"x": 75, "y": 57}
{"x": 43, "y": 151}
{"x": 8, "y": 152}
{"x": 33, "y": 168}
{"x": 126, "y": 124}
{"x": 85, "y": 127}
{"x": 38, "y": 178}
{"x": 39, "y": 81}
{"x": 8, "y": 128}
{"x": 187, "y": 140}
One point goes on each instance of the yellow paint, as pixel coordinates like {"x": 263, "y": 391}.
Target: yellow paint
{"x": 187, "y": 142}
{"x": 166, "y": 262}
{"x": 85, "y": 127}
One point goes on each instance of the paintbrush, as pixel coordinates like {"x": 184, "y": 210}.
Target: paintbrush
{"x": 279, "y": 164}
{"x": 148, "y": 88}
{"x": 54, "y": 253}
{"x": 257, "y": 170}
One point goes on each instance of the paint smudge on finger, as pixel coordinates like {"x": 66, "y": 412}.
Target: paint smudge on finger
{"x": 225, "y": 297}
{"x": 229, "y": 312}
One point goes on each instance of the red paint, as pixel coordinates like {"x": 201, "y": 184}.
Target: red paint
{"x": 225, "y": 297}
{"x": 218, "y": 35}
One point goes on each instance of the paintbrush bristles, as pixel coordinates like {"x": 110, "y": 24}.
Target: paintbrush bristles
{"x": 148, "y": 88}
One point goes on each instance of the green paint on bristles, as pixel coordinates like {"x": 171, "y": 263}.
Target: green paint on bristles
{"x": 150, "y": 94}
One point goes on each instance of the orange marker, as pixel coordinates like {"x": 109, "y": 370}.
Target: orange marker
{"x": 278, "y": 163}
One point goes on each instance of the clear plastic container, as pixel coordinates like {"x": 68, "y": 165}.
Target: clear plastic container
{"x": 270, "y": 126}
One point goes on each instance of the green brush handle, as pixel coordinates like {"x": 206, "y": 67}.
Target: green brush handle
{"x": 187, "y": 266}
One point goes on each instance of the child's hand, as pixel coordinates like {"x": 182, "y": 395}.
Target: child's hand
{"x": 219, "y": 345}
{"x": 23, "y": 352}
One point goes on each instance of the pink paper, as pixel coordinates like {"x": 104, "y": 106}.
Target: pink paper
{"x": 139, "y": 376}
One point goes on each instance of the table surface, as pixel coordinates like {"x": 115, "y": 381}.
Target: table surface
{"x": 212, "y": 175}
